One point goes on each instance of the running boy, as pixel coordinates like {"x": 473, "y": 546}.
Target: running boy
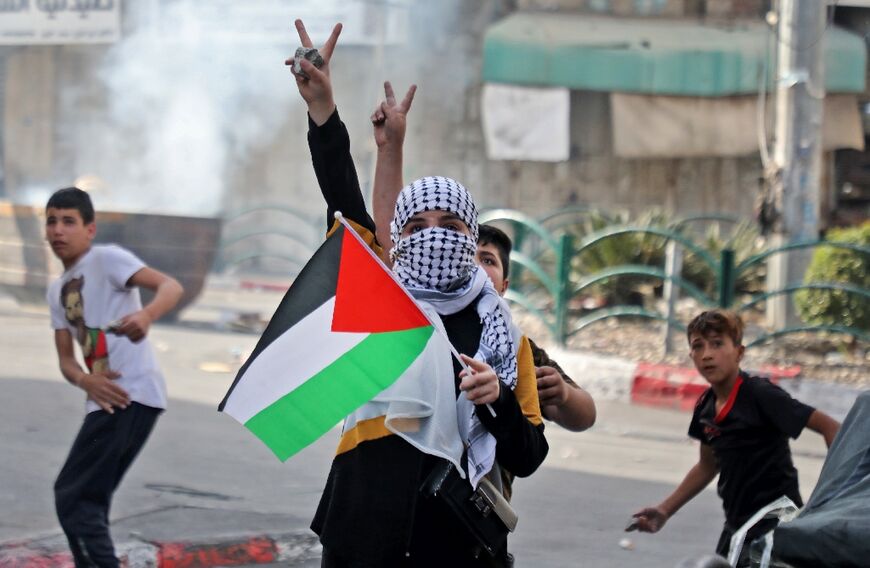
{"x": 743, "y": 424}
{"x": 96, "y": 303}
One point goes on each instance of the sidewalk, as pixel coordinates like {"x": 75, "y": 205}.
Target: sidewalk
{"x": 678, "y": 387}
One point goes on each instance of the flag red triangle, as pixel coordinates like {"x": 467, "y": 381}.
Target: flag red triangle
{"x": 367, "y": 299}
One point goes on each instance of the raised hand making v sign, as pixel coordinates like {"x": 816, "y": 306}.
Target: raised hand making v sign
{"x": 389, "y": 122}
{"x": 316, "y": 88}
{"x": 389, "y": 118}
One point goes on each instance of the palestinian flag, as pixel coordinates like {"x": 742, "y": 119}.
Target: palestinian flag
{"x": 345, "y": 331}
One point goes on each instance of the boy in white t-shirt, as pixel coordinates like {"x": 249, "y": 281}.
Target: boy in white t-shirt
{"x": 96, "y": 304}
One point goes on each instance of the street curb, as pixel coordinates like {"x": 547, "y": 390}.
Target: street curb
{"x": 279, "y": 287}
{"x": 605, "y": 377}
{"x": 678, "y": 387}
{"x": 666, "y": 386}
{"x": 260, "y": 549}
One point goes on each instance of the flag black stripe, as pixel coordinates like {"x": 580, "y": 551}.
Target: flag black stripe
{"x": 315, "y": 285}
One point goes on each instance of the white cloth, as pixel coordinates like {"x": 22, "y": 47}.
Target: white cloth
{"x": 90, "y": 295}
{"x": 420, "y": 406}
{"x": 498, "y": 347}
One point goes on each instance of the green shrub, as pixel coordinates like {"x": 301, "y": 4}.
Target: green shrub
{"x": 828, "y": 265}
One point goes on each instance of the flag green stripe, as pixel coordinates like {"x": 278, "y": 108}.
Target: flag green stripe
{"x": 318, "y": 404}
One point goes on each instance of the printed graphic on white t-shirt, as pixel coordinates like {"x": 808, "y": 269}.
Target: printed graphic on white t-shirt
{"x": 86, "y": 299}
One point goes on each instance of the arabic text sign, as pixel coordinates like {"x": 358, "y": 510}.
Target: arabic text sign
{"x": 44, "y": 22}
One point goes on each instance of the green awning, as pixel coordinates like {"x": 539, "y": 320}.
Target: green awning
{"x": 649, "y": 56}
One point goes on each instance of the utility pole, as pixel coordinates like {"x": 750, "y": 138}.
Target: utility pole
{"x": 794, "y": 179}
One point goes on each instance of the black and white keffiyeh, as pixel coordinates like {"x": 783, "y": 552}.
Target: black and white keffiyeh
{"x": 434, "y": 193}
{"x": 437, "y": 266}
{"x": 435, "y": 258}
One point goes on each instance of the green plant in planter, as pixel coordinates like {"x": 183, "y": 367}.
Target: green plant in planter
{"x": 625, "y": 249}
{"x": 745, "y": 240}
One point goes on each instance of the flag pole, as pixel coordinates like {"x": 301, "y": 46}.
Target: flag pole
{"x": 392, "y": 274}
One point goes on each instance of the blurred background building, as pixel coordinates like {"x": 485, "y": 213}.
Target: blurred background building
{"x": 184, "y": 107}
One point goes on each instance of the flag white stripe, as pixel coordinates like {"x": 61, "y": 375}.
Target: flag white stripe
{"x": 289, "y": 361}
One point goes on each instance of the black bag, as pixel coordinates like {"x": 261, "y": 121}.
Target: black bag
{"x": 484, "y": 512}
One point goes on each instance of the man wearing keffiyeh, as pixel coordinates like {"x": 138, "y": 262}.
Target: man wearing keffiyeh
{"x": 372, "y": 512}
{"x": 437, "y": 265}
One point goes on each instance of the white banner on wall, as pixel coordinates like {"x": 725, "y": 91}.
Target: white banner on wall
{"x": 54, "y": 22}
{"x": 526, "y": 123}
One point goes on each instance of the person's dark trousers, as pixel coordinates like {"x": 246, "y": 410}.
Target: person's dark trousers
{"x": 101, "y": 453}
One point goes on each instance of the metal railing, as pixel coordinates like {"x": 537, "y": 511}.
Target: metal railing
{"x": 240, "y": 245}
{"x": 559, "y": 282}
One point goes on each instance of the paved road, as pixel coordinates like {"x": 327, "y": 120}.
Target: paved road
{"x": 571, "y": 512}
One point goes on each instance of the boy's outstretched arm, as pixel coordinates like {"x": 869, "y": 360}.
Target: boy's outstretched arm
{"x": 389, "y": 122}
{"x": 100, "y": 387}
{"x": 824, "y": 425}
{"x": 167, "y": 292}
{"x": 652, "y": 519}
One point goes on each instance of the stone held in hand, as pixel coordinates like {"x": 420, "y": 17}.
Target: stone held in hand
{"x": 309, "y": 53}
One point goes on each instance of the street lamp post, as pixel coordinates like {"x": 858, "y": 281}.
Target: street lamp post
{"x": 795, "y": 177}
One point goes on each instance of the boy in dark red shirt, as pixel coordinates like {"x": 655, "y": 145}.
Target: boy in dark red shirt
{"x": 743, "y": 424}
